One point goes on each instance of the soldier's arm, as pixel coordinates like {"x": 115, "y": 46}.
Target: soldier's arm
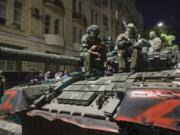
{"x": 158, "y": 44}
{"x": 84, "y": 43}
{"x": 93, "y": 51}
{"x": 121, "y": 42}
{"x": 159, "y": 41}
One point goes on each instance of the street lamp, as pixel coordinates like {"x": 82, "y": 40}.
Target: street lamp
{"x": 161, "y": 27}
{"x": 160, "y": 24}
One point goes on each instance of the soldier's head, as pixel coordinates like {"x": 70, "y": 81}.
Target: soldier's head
{"x": 131, "y": 29}
{"x": 152, "y": 35}
{"x": 93, "y": 31}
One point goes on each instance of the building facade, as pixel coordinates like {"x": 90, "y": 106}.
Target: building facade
{"x": 56, "y": 26}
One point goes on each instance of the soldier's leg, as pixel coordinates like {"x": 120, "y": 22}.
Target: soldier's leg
{"x": 134, "y": 59}
{"x": 87, "y": 62}
{"x": 122, "y": 60}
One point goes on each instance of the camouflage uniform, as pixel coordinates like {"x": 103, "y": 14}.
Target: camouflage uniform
{"x": 156, "y": 43}
{"x": 127, "y": 48}
{"x": 87, "y": 42}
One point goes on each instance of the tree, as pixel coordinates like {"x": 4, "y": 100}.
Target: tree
{"x": 168, "y": 40}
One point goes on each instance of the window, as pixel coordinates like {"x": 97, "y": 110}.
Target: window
{"x": 96, "y": 18}
{"x": 17, "y": 14}
{"x": 120, "y": 5}
{"x": 112, "y": 25}
{"x": 105, "y": 22}
{"x": 97, "y": 3}
{"x": 105, "y": 3}
{"x": 61, "y": 67}
{"x": 47, "y": 24}
{"x": 56, "y": 26}
{"x": 80, "y": 7}
{"x": 92, "y": 17}
{"x": 74, "y": 5}
{"x": 2, "y": 64}
{"x": 74, "y": 35}
{"x": 112, "y": 4}
{"x": 2, "y": 11}
{"x": 35, "y": 12}
{"x": 37, "y": 66}
{"x": 8, "y": 65}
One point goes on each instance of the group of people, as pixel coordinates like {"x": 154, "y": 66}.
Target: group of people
{"x": 33, "y": 77}
{"x": 128, "y": 46}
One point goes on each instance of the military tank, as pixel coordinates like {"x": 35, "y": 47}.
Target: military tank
{"x": 146, "y": 102}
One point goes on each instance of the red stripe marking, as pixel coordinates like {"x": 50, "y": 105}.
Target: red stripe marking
{"x": 7, "y": 106}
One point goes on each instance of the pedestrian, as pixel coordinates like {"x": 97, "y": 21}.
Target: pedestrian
{"x": 66, "y": 74}
{"x": 41, "y": 75}
{"x": 30, "y": 76}
{"x": 48, "y": 75}
{"x": 58, "y": 75}
{"x": 2, "y": 84}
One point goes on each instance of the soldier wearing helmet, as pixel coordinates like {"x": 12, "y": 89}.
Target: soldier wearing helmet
{"x": 156, "y": 43}
{"x": 91, "y": 49}
{"x": 127, "y": 48}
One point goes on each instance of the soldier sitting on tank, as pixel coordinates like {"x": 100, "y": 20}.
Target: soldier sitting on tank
{"x": 128, "y": 48}
{"x": 156, "y": 43}
{"x": 92, "y": 51}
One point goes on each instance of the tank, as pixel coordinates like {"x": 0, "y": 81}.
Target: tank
{"x": 146, "y": 102}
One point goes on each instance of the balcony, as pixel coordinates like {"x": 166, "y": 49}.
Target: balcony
{"x": 55, "y": 5}
{"x": 81, "y": 19}
{"x": 54, "y": 40}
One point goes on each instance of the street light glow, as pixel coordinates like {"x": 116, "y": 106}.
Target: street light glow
{"x": 160, "y": 24}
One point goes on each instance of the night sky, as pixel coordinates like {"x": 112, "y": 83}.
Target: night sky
{"x": 155, "y": 11}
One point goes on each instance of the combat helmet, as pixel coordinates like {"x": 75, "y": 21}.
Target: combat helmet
{"x": 131, "y": 25}
{"x": 93, "y": 28}
{"x": 152, "y": 34}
